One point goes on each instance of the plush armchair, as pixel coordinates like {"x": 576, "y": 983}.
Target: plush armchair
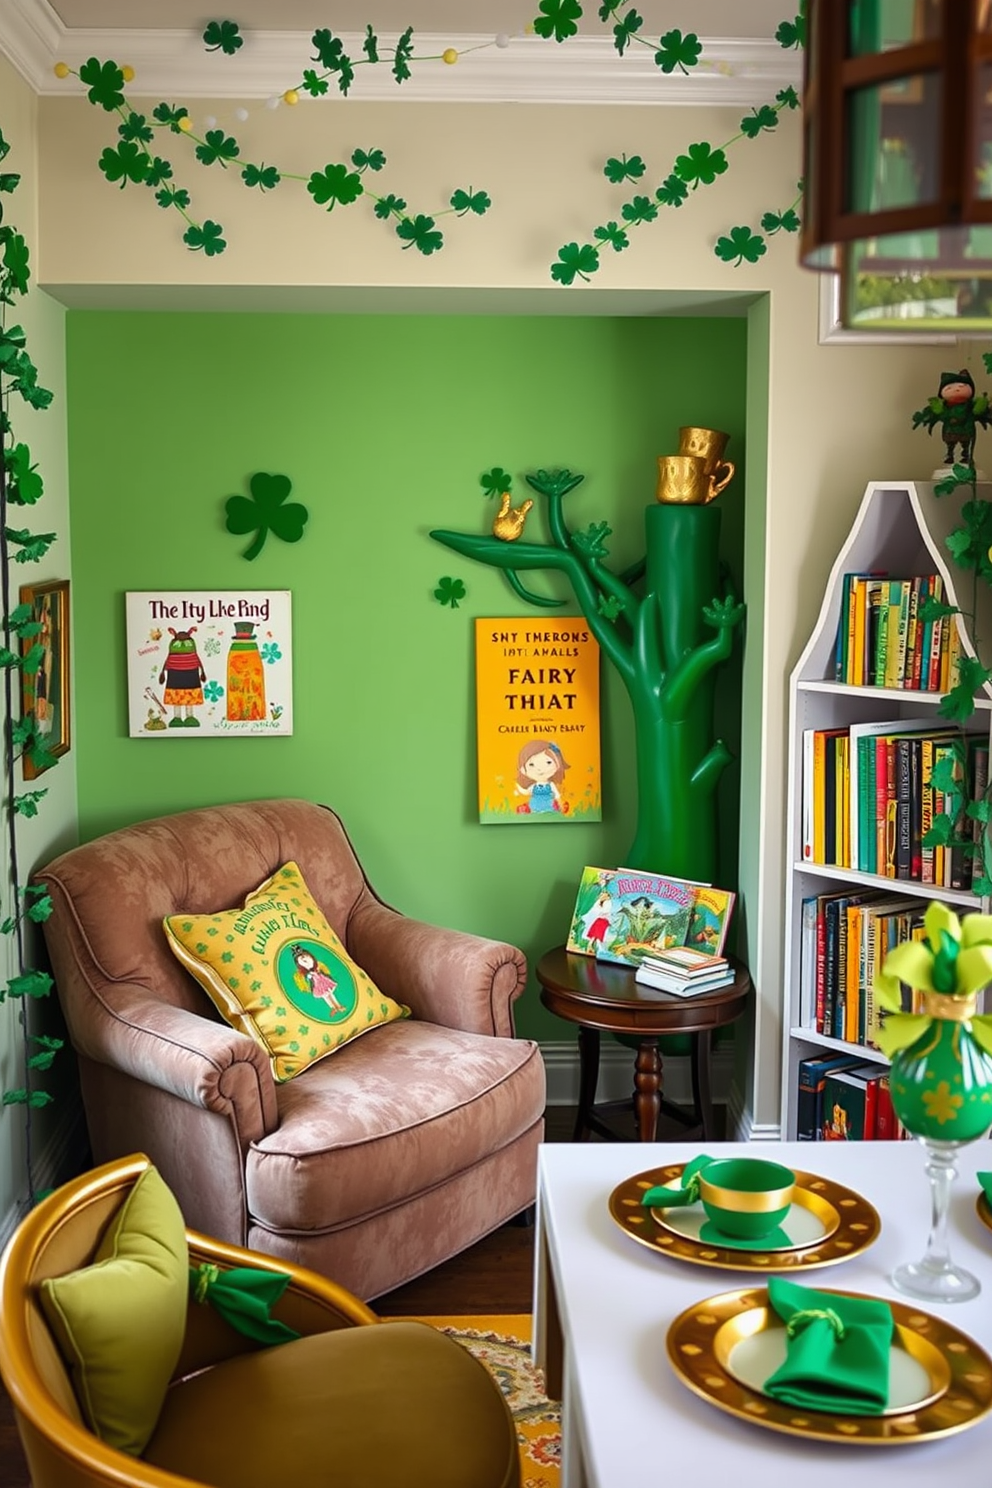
{"x": 343, "y": 1403}
{"x": 372, "y": 1166}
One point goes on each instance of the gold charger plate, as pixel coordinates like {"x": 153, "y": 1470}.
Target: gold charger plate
{"x": 857, "y": 1226}
{"x": 945, "y": 1378}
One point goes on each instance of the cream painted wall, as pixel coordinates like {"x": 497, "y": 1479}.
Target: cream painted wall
{"x": 833, "y": 417}
{"x": 55, "y": 826}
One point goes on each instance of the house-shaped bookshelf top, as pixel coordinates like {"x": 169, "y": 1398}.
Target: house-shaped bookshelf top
{"x": 901, "y": 529}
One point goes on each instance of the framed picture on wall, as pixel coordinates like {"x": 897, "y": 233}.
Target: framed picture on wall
{"x": 45, "y": 686}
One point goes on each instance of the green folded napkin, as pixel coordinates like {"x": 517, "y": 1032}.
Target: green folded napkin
{"x": 661, "y": 1197}
{"x": 838, "y": 1351}
{"x": 243, "y": 1296}
{"x": 985, "y": 1179}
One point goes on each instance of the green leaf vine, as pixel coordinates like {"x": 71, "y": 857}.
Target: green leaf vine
{"x": 21, "y": 485}
{"x": 132, "y": 159}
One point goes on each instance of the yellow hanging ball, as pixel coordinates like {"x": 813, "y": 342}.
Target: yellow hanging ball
{"x": 450, "y": 56}
{"x": 185, "y": 123}
{"x": 61, "y": 69}
{"x": 291, "y": 96}
{"x": 128, "y": 72}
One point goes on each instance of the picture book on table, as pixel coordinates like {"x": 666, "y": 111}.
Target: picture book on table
{"x": 623, "y": 915}
{"x": 710, "y": 920}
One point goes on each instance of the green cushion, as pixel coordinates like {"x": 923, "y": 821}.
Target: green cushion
{"x": 120, "y": 1322}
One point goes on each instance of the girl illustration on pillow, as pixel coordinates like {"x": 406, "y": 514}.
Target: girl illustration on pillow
{"x": 313, "y": 976}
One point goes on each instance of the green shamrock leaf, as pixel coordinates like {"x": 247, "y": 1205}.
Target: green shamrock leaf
{"x": 335, "y": 183}
{"x": 959, "y": 703}
{"x": 24, "y": 484}
{"x": 623, "y": 169}
{"x": 15, "y": 262}
{"x": 168, "y": 198}
{"x": 208, "y": 237}
{"x": 934, "y": 609}
{"x": 387, "y": 205}
{"x": 158, "y": 171}
{"x": 105, "y": 81}
{"x": 478, "y": 202}
{"x": 774, "y": 222}
{"x": 402, "y": 55}
{"x": 370, "y": 46}
{"x": 218, "y": 146}
{"x": 496, "y": 482}
{"x": 672, "y": 192}
{"x": 613, "y": 234}
{"x": 265, "y": 177}
{"x": 558, "y": 18}
{"x": 27, "y": 804}
{"x": 314, "y": 84}
{"x": 166, "y": 114}
{"x": 792, "y": 33}
{"x": 223, "y": 36}
{"x": 373, "y": 160}
{"x": 264, "y": 512}
{"x": 449, "y": 592}
{"x": 758, "y": 119}
{"x": 676, "y": 50}
{"x": 421, "y": 233}
{"x": 127, "y": 163}
{"x": 609, "y": 9}
{"x": 641, "y": 209}
{"x": 626, "y": 29}
{"x": 740, "y": 245}
{"x": 136, "y": 127}
{"x": 787, "y": 97}
{"x": 332, "y": 56}
{"x": 33, "y": 545}
{"x": 573, "y": 260}
{"x": 701, "y": 165}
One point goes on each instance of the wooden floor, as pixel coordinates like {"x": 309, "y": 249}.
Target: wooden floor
{"x": 494, "y": 1276}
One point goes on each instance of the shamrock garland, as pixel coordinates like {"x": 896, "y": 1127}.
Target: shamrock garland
{"x": 20, "y": 486}
{"x": 132, "y": 160}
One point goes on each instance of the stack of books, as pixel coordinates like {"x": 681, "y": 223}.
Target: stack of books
{"x": 684, "y": 972}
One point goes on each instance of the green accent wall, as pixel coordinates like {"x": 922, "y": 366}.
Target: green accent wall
{"x": 384, "y": 425}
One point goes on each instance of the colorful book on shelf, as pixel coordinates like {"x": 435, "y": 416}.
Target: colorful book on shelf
{"x": 849, "y": 1101}
{"x": 812, "y": 1078}
{"x": 622, "y": 914}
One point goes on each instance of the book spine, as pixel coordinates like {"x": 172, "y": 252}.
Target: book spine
{"x": 882, "y": 645}
{"x": 959, "y": 875}
{"x": 979, "y": 787}
{"x": 890, "y": 808}
{"x": 936, "y": 645}
{"x": 926, "y": 809}
{"x": 840, "y": 649}
{"x": 811, "y": 1080}
{"x": 871, "y": 1108}
{"x": 904, "y": 592}
{"x": 807, "y": 797}
{"x": 821, "y": 965}
{"x": 912, "y": 630}
{"x": 830, "y": 801}
{"x": 852, "y": 993}
{"x": 885, "y": 1120}
{"x": 881, "y": 800}
{"x": 844, "y": 801}
{"x": 903, "y": 780}
{"x": 922, "y": 636}
{"x": 874, "y": 610}
{"x": 807, "y": 964}
{"x": 830, "y": 989}
{"x": 819, "y": 798}
{"x": 915, "y": 809}
{"x": 858, "y": 587}
{"x": 866, "y": 973}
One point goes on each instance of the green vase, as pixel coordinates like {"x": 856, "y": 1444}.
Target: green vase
{"x": 941, "y": 1086}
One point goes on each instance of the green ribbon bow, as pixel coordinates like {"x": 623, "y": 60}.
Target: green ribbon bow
{"x": 955, "y": 959}
{"x": 243, "y": 1297}
{"x": 838, "y": 1351}
{"x": 661, "y": 1197}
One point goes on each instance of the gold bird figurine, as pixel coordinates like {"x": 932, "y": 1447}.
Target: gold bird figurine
{"x": 509, "y": 524}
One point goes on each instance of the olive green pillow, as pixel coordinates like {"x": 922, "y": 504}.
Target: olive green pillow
{"x": 120, "y": 1322}
{"x": 276, "y": 971}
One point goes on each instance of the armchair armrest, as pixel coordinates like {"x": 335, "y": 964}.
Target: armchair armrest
{"x": 205, "y": 1063}
{"x": 444, "y": 976}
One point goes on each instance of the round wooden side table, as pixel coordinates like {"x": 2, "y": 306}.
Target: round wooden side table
{"x": 600, "y": 996}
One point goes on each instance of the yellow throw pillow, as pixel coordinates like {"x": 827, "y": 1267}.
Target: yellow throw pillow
{"x": 276, "y": 970}
{"x": 120, "y": 1322}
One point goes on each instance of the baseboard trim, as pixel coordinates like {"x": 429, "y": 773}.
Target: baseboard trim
{"x": 66, "y": 1152}
{"x": 741, "y": 1125}
{"x": 616, "y": 1074}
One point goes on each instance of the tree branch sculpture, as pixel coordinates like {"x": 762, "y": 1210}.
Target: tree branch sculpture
{"x": 665, "y": 644}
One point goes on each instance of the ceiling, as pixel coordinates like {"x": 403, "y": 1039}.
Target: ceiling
{"x": 753, "y": 18}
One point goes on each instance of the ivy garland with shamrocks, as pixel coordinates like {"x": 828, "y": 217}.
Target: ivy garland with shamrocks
{"x": 134, "y": 159}
{"x": 20, "y": 652}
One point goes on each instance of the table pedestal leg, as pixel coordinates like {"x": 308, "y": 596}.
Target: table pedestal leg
{"x": 647, "y": 1089}
{"x": 588, "y": 1080}
{"x": 701, "y": 1093}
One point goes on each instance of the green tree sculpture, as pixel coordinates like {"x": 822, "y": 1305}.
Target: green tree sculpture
{"x": 665, "y": 643}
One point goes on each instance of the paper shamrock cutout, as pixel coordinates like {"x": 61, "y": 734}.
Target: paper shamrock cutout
{"x": 449, "y": 591}
{"x": 263, "y": 512}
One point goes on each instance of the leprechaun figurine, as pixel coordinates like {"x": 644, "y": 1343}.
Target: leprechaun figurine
{"x": 958, "y": 409}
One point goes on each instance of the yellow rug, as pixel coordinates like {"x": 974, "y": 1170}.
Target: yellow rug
{"x": 502, "y": 1344}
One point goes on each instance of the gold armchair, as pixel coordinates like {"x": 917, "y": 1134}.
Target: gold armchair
{"x": 395, "y": 1402}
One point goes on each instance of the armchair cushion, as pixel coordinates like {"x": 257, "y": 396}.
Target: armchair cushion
{"x": 120, "y": 1322}
{"x": 276, "y": 971}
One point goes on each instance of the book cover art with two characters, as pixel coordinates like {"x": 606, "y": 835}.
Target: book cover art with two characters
{"x": 623, "y": 915}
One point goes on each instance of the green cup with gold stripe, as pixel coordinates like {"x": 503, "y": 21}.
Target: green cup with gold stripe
{"x": 746, "y": 1197}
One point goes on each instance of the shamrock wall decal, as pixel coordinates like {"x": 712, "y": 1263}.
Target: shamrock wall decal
{"x": 264, "y": 512}
{"x": 449, "y": 591}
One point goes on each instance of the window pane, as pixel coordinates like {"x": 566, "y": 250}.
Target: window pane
{"x": 882, "y": 25}
{"x": 893, "y": 134}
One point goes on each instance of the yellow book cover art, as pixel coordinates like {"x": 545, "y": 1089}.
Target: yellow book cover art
{"x": 537, "y": 719}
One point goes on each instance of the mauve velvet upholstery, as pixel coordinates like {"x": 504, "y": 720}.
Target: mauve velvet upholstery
{"x": 373, "y": 1165}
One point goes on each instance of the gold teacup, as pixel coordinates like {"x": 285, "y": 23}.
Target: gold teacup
{"x": 684, "y": 480}
{"x": 710, "y": 445}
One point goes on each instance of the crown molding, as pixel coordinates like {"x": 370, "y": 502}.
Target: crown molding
{"x": 586, "y": 70}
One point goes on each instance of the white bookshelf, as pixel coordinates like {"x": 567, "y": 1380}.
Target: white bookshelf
{"x": 901, "y": 528}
